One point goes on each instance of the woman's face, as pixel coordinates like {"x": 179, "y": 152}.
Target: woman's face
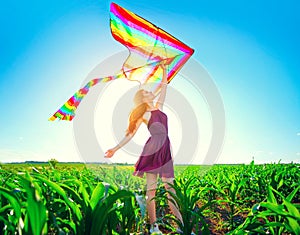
{"x": 147, "y": 96}
{"x": 143, "y": 96}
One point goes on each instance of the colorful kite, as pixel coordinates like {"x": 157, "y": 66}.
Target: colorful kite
{"x": 148, "y": 46}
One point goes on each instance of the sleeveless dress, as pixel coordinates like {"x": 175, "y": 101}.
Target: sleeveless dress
{"x": 156, "y": 156}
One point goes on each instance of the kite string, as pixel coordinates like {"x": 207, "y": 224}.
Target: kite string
{"x": 125, "y": 72}
{"x": 155, "y": 63}
{"x": 156, "y": 40}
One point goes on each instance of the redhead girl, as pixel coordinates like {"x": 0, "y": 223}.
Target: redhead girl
{"x": 156, "y": 159}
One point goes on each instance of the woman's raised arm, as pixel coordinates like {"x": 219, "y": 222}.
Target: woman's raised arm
{"x": 163, "y": 91}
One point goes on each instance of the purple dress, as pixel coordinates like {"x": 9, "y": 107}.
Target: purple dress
{"x": 156, "y": 157}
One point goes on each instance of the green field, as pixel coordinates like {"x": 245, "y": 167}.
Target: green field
{"x": 104, "y": 199}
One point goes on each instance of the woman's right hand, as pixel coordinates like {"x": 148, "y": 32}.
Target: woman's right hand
{"x": 109, "y": 153}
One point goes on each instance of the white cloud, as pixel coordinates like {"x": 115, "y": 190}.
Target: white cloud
{"x": 298, "y": 133}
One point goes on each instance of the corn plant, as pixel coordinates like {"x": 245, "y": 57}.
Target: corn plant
{"x": 75, "y": 199}
{"x": 10, "y": 211}
{"x": 271, "y": 217}
{"x": 61, "y": 203}
{"x": 91, "y": 212}
{"x": 186, "y": 199}
{"x": 231, "y": 196}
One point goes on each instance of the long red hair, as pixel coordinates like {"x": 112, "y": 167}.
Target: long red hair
{"x": 137, "y": 112}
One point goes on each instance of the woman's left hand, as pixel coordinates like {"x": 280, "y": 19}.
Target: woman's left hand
{"x": 109, "y": 153}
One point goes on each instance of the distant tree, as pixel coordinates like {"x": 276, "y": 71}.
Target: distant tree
{"x": 53, "y": 162}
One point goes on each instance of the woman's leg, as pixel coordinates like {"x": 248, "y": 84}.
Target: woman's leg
{"x": 174, "y": 208}
{"x": 151, "y": 189}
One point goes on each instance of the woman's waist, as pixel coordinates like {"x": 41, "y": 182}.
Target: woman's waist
{"x": 165, "y": 134}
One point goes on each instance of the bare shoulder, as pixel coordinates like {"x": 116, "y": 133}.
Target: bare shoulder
{"x": 159, "y": 105}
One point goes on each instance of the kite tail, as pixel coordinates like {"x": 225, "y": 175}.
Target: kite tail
{"x": 67, "y": 111}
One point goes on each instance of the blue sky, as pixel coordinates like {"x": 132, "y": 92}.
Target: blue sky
{"x": 250, "y": 48}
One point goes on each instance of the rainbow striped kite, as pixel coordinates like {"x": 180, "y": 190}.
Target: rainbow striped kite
{"x": 148, "y": 46}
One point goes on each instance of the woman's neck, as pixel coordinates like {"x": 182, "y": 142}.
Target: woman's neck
{"x": 151, "y": 107}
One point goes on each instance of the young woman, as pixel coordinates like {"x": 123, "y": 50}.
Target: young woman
{"x": 156, "y": 159}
